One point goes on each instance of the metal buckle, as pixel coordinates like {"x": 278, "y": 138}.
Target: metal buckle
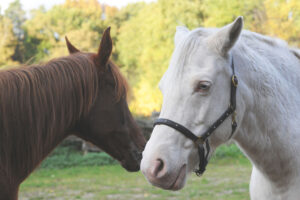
{"x": 199, "y": 141}
{"x": 234, "y": 80}
{"x": 233, "y": 117}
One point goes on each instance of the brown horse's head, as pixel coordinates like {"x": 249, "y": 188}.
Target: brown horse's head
{"x": 109, "y": 123}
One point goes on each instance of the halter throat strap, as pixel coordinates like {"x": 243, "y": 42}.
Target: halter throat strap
{"x": 203, "y": 138}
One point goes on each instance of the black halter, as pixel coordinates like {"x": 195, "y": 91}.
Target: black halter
{"x": 202, "y": 139}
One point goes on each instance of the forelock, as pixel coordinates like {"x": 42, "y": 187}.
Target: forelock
{"x": 185, "y": 50}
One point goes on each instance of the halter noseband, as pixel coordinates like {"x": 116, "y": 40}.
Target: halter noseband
{"x": 202, "y": 139}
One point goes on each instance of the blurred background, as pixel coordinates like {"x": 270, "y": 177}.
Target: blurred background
{"x": 33, "y": 31}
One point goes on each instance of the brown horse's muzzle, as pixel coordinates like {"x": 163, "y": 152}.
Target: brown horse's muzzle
{"x": 132, "y": 160}
{"x": 132, "y": 164}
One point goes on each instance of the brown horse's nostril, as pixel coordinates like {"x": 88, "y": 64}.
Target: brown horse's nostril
{"x": 139, "y": 156}
{"x": 157, "y": 170}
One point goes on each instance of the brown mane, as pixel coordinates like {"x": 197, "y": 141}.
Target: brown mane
{"x": 59, "y": 92}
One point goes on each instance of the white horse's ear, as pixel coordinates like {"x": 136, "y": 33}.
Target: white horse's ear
{"x": 181, "y": 32}
{"x": 226, "y": 37}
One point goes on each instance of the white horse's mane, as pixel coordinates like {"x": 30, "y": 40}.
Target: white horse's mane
{"x": 195, "y": 36}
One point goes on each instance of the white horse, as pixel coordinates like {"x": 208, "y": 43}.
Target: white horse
{"x": 196, "y": 91}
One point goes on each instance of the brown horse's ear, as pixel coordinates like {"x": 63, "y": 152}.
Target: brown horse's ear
{"x": 70, "y": 46}
{"x": 105, "y": 48}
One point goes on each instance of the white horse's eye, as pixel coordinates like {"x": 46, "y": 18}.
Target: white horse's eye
{"x": 202, "y": 86}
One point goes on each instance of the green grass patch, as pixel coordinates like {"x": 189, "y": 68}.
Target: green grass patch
{"x": 77, "y": 159}
{"x": 69, "y": 154}
{"x": 68, "y": 174}
{"x": 229, "y": 152}
{"x": 225, "y": 151}
{"x": 222, "y": 180}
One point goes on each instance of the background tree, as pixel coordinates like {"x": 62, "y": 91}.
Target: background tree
{"x": 146, "y": 43}
{"x": 283, "y": 19}
{"x": 7, "y": 41}
{"x": 17, "y": 16}
{"x": 48, "y": 29}
{"x": 219, "y": 13}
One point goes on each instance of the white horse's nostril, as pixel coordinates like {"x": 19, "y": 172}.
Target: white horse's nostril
{"x": 157, "y": 169}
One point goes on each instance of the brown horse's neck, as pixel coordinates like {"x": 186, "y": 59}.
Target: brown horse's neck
{"x": 8, "y": 192}
{"x": 10, "y": 181}
{"x": 38, "y": 105}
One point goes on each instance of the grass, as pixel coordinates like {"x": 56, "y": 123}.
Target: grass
{"x": 227, "y": 177}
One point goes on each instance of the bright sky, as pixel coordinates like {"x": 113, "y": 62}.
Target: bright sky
{"x": 31, "y": 4}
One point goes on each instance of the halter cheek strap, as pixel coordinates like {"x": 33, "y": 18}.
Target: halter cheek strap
{"x": 203, "y": 138}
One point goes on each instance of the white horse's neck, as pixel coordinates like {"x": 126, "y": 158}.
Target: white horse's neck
{"x": 269, "y": 133}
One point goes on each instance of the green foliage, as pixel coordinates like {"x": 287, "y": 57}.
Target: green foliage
{"x": 48, "y": 29}
{"x": 283, "y": 19}
{"x": 221, "y": 12}
{"x": 228, "y": 151}
{"x": 69, "y": 155}
{"x": 77, "y": 159}
{"x": 145, "y": 45}
{"x": 7, "y": 41}
{"x": 17, "y": 16}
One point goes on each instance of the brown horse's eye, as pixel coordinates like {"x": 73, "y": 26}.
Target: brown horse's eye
{"x": 202, "y": 86}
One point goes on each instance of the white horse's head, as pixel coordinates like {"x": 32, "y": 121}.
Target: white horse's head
{"x": 196, "y": 91}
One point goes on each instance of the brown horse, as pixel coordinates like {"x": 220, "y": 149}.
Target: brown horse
{"x": 82, "y": 94}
